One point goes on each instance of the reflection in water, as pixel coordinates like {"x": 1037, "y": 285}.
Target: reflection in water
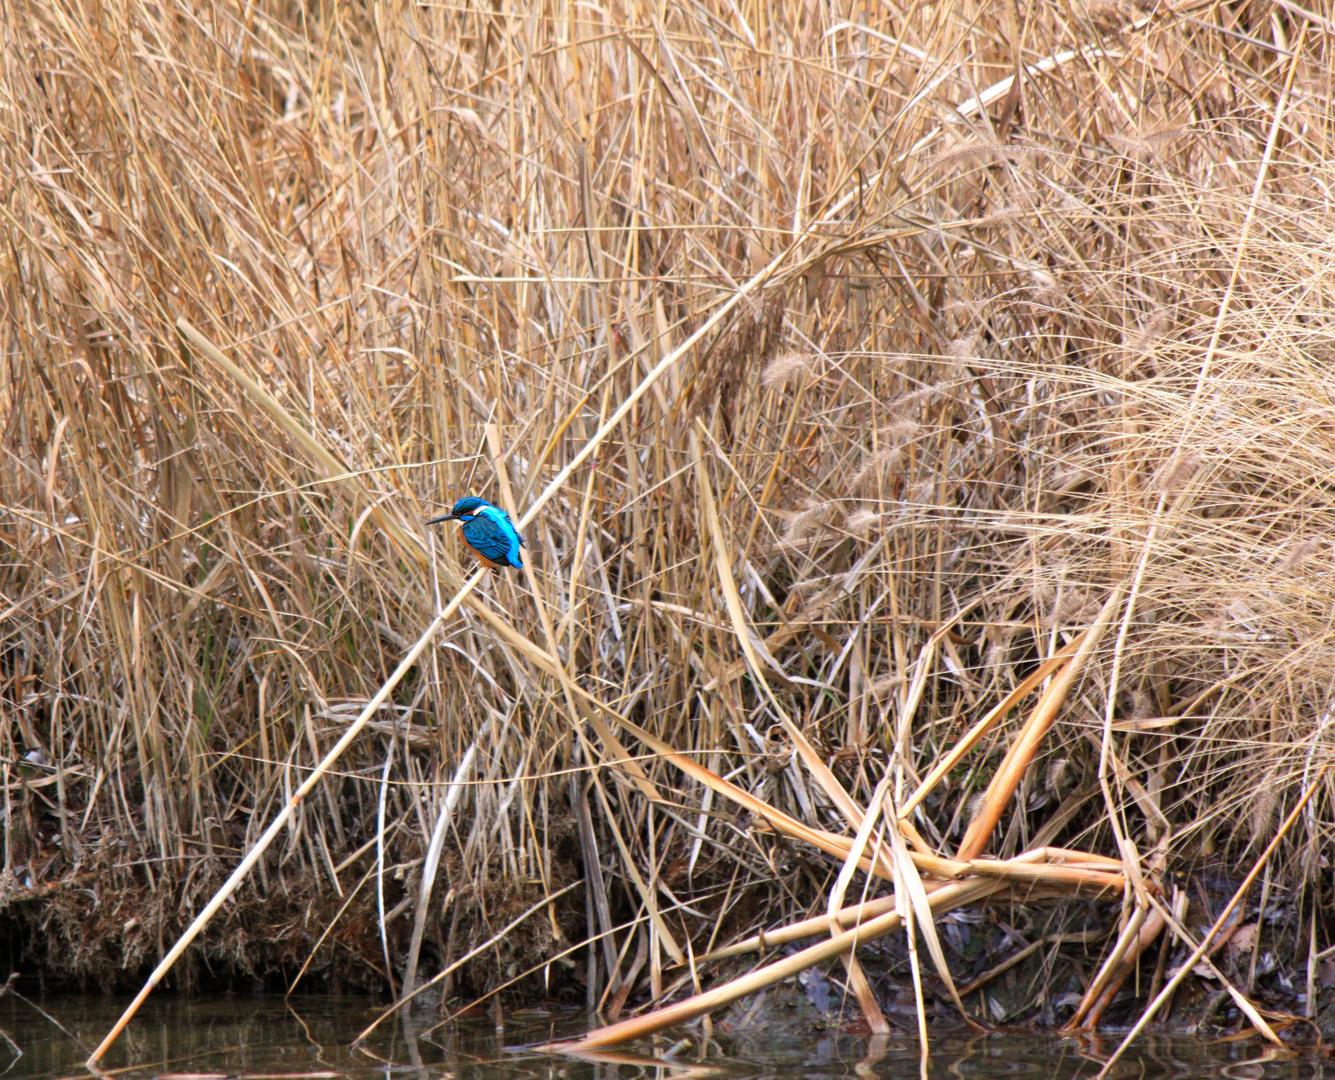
{"x": 311, "y": 1037}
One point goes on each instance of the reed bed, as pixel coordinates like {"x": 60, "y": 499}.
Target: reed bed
{"x": 1009, "y": 323}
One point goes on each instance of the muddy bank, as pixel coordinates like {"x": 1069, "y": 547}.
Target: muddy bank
{"x": 1022, "y": 968}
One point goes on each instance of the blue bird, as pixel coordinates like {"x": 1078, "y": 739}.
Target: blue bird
{"x": 488, "y": 531}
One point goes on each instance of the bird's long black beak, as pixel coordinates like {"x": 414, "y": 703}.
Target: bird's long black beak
{"x": 437, "y": 521}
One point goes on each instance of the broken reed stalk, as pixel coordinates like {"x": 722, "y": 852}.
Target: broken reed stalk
{"x": 847, "y": 918}
{"x": 1091, "y": 1007}
{"x": 1030, "y": 868}
{"x": 872, "y": 920}
{"x": 871, "y": 1008}
{"x": 1204, "y": 946}
{"x": 990, "y": 720}
{"x": 838, "y": 846}
{"x": 945, "y": 899}
{"x": 1112, "y": 964}
{"x": 915, "y": 906}
{"x": 1022, "y": 750}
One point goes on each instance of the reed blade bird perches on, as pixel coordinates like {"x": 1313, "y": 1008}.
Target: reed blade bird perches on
{"x": 488, "y": 532}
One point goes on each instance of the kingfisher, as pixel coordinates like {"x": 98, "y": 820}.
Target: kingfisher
{"x": 488, "y": 531}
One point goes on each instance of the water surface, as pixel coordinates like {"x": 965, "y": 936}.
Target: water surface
{"x": 310, "y": 1038}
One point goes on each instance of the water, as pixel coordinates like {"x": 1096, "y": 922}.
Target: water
{"x": 309, "y": 1038}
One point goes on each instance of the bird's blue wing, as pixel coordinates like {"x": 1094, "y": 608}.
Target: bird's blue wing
{"x": 491, "y": 535}
{"x": 502, "y": 521}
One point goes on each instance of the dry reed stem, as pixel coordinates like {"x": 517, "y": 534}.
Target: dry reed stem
{"x": 445, "y": 972}
{"x": 911, "y": 896}
{"x": 989, "y": 721}
{"x": 1203, "y": 946}
{"x": 275, "y": 826}
{"x": 1147, "y": 933}
{"x": 783, "y": 935}
{"x": 866, "y": 998}
{"x": 1022, "y": 750}
{"x": 1114, "y": 966}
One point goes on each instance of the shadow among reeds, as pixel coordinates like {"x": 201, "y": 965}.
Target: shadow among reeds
{"x": 1037, "y": 325}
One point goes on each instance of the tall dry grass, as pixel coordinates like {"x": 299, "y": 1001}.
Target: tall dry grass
{"x": 1050, "y": 309}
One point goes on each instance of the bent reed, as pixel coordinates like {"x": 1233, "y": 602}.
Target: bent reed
{"x": 1035, "y": 364}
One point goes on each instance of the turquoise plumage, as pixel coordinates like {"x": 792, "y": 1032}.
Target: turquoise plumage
{"x": 488, "y": 532}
